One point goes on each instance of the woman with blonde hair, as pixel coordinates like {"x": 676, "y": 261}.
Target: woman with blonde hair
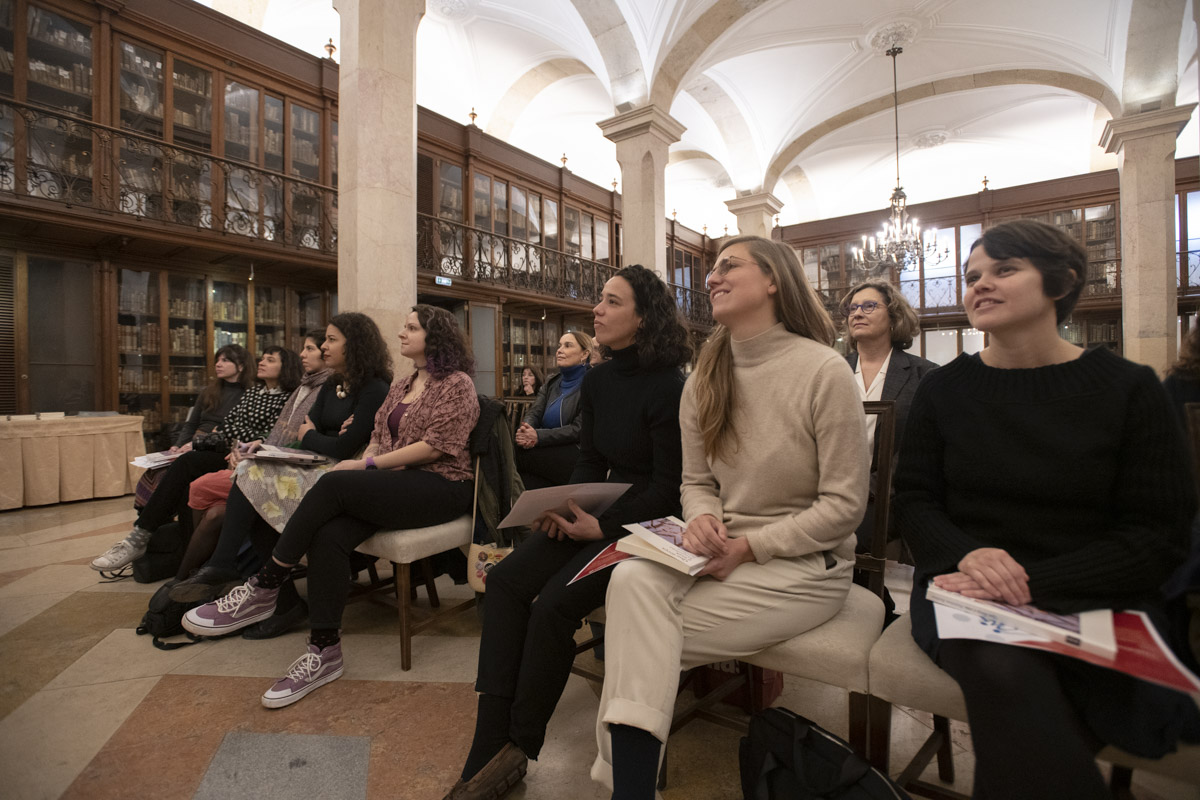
{"x": 548, "y": 439}
{"x": 774, "y": 482}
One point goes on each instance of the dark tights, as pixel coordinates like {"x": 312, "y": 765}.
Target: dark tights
{"x": 1028, "y": 739}
{"x": 206, "y": 532}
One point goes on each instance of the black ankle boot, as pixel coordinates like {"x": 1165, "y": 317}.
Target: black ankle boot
{"x": 205, "y": 585}
{"x": 278, "y": 624}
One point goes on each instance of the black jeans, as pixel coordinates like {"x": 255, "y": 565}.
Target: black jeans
{"x": 343, "y": 509}
{"x": 527, "y": 646}
{"x": 241, "y": 522}
{"x": 171, "y": 495}
{"x": 547, "y": 466}
{"x": 1029, "y": 741}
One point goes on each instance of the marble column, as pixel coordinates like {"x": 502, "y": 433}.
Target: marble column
{"x": 642, "y": 137}
{"x": 755, "y": 213}
{"x": 377, "y": 161}
{"x": 1145, "y": 148}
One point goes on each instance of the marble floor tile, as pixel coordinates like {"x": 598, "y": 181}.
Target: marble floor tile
{"x": 38, "y": 518}
{"x": 123, "y": 655}
{"x": 52, "y": 579}
{"x": 114, "y": 525}
{"x": 264, "y": 766}
{"x": 56, "y": 552}
{"x": 18, "y": 610}
{"x": 54, "y": 734}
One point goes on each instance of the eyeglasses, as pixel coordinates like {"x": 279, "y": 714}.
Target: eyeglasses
{"x": 867, "y": 308}
{"x": 723, "y": 266}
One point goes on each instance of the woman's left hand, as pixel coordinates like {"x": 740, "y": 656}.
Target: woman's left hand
{"x": 737, "y": 552}
{"x": 305, "y": 427}
{"x": 584, "y": 528}
{"x": 349, "y": 463}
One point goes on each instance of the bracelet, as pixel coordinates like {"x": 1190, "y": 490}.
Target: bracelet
{"x": 371, "y": 463}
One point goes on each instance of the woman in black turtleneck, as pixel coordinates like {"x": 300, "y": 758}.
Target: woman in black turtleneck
{"x": 629, "y": 433}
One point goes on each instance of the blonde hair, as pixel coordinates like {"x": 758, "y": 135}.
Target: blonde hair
{"x": 585, "y": 342}
{"x": 797, "y": 307}
{"x": 902, "y": 319}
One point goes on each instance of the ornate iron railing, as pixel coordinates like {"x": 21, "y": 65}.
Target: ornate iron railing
{"x": 455, "y": 250}
{"x": 694, "y": 305}
{"x": 57, "y": 156}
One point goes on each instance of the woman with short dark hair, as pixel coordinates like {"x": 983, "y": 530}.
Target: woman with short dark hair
{"x": 629, "y": 434}
{"x": 1037, "y": 472}
{"x": 416, "y": 473}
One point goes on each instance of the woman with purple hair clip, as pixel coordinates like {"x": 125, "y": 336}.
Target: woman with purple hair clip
{"x": 416, "y": 472}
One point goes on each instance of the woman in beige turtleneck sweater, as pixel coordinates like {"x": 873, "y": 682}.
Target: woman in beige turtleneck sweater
{"x": 775, "y": 466}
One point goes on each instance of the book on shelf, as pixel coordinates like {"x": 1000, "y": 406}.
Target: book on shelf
{"x": 659, "y": 540}
{"x": 287, "y": 455}
{"x": 1090, "y": 630}
{"x": 1139, "y": 650}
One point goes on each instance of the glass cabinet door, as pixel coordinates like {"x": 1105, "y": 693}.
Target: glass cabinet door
{"x": 141, "y": 83}
{"x": 229, "y": 314}
{"x": 186, "y": 353}
{"x": 1100, "y": 239}
{"x": 241, "y": 122}
{"x": 270, "y": 317}
{"x": 59, "y": 78}
{"x": 7, "y": 10}
{"x": 191, "y": 93}
{"x": 273, "y": 126}
{"x": 309, "y": 317}
{"x": 306, "y": 143}
{"x": 139, "y": 348}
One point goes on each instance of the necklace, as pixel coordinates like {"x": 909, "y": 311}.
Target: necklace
{"x": 341, "y": 392}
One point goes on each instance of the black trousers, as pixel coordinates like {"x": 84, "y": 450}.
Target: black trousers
{"x": 1029, "y": 741}
{"x": 530, "y": 616}
{"x": 241, "y": 522}
{"x": 342, "y": 510}
{"x": 547, "y": 466}
{"x": 171, "y": 495}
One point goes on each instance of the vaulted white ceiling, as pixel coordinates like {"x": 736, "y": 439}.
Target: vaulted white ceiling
{"x": 794, "y": 96}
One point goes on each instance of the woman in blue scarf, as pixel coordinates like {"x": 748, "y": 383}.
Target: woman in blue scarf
{"x": 548, "y": 439}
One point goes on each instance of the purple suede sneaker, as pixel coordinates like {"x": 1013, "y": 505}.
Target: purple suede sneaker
{"x": 245, "y": 605}
{"x": 315, "y": 668}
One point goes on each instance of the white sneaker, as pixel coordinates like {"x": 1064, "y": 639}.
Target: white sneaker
{"x": 121, "y": 554}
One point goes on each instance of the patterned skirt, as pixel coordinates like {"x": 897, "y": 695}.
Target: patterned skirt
{"x": 275, "y": 489}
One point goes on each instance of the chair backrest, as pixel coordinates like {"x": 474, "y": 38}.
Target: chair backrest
{"x": 1191, "y": 413}
{"x": 497, "y": 482}
{"x": 516, "y": 408}
{"x": 874, "y": 561}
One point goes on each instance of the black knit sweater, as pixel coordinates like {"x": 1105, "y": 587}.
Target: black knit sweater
{"x": 630, "y": 434}
{"x": 330, "y": 411}
{"x": 1076, "y": 469}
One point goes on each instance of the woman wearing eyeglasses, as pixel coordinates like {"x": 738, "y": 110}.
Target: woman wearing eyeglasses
{"x": 881, "y": 326}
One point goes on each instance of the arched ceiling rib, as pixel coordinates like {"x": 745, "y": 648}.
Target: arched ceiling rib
{"x": 508, "y": 110}
{"x": 1151, "y": 59}
{"x": 626, "y": 77}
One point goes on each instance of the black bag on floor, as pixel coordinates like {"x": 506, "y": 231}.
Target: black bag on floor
{"x": 164, "y": 554}
{"x": 787, "y": 757}
{"x": 164, "y": 618}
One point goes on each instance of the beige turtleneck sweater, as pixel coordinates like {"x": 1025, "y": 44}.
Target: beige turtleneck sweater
{"x": 797, "y": 481}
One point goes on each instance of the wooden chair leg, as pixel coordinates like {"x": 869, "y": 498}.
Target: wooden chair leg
{"x": 879, "y": 720}
{"x": 662, "y": 770}
{"x": 945, "y": 754}
{"x": 1120, "y": 783}
{"x": 430, "y": 587}
{"x": 403, "y": 588}
{"x": 859, "y": 723}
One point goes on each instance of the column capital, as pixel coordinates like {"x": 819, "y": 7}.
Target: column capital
{"x": 764, "y": 202}
{"x": 1120, "y": 130}
{"x": 647, "y": 119}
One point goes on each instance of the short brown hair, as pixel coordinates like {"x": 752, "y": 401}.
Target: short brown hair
{"x": 1054, "y": 253}
{"x": 905, "y": 326}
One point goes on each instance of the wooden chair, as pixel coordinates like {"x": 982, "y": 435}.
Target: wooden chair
{"x": 403, "y": 548}
{"x": 516, "y": 408}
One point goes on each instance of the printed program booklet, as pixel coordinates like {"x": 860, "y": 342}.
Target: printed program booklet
{"x": 269, "y": 452}
{"x": 594, "y": 498}
{"x": 659, "y": 540}
{"x": 156, "y": 460}
{"x": 1091, "y": 630}
{"x": 1140, "y": 650}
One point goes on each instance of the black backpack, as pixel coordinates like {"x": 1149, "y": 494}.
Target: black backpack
{"x": 164, "y": 553}
{"x": 787, "y": 757}
{"x": 164, "y": 618}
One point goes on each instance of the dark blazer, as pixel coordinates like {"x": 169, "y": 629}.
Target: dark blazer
{"x": 900, "y": 384}
{"x": 566, "y": 434}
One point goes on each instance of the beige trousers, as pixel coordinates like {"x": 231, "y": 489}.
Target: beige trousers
{"x": 660, "y": 621}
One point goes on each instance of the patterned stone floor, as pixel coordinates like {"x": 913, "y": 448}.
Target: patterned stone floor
{"x": 90, "y": 711}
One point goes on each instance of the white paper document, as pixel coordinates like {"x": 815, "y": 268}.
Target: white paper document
{"x": 594, "y": 498}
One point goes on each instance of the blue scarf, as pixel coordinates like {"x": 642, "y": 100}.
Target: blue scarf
{"x": 572, "y": 377}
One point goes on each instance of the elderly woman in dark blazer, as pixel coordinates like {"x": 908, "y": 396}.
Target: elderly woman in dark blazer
{"x": 548, "y": 439}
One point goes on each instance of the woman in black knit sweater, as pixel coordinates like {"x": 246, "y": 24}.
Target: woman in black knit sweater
{"x": 629, "y": 434}
{"x": 1036, "y": 472}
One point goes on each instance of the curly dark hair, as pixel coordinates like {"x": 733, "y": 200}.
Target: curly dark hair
{"x": 290, "y": 370}
{"x": 662, "y": 339}
{"x": 445, "y": 349}
{"x": 210, "y": 398}
{"x": 367, "y": 355}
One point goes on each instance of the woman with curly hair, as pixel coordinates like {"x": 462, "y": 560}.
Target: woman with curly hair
{"x": 774, "y": 482}
{"x": 416, "y": 473}
{"x": 629, "y": 433}
{"x": 265, "y": 495}
{"x": 1183, "y": 378}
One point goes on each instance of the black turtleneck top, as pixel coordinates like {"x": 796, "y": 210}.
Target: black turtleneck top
{"x": 630, "y": 434}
